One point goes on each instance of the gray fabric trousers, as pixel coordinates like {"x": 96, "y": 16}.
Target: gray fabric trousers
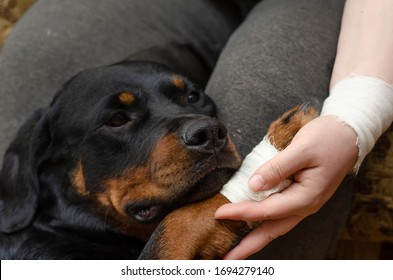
{"x": 255, "y": 64}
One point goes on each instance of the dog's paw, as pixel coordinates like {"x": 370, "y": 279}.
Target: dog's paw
{"x": 282, "y": 130}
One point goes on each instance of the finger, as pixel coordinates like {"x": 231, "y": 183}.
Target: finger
{"x": 261, "y": 236}
{"x": 278, "y": 169}
{"x": 291, "y": 201}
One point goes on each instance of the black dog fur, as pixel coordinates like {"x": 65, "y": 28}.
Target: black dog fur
{"x": 119, "y": 147}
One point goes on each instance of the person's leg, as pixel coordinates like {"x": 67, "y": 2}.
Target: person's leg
{"x": 56, "y": 39}
{"x": 281, "y": 56}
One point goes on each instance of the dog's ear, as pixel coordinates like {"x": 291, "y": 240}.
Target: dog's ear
{"x": 19, "y": 186}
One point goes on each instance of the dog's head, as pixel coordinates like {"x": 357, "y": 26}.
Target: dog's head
{"x": 134, "y": 139}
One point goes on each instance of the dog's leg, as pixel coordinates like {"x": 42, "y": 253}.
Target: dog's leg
{"x": 192, "y": 232}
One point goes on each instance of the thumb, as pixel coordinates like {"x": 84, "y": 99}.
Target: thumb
{"x": 276, "y": 169}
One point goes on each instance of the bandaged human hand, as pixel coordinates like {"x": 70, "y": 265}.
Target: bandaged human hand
{"x": 321, "y": 154}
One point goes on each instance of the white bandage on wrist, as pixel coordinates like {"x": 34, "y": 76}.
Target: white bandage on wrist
{"x": 366, "y": 105}
{"x": 236, "y": 190}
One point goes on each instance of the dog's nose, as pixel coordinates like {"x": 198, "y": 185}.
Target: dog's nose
{"x": 205, "y": 135}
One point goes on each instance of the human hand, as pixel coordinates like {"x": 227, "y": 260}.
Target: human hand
{"x": 318, "y": 158}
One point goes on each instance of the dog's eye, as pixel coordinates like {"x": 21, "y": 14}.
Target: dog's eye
{"x": 118, "y": 119}
{"x": 193, "y": 97}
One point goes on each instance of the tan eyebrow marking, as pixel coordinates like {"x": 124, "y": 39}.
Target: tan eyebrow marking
{"x": 178, "y": 82}
{"x": 127, "y": 98}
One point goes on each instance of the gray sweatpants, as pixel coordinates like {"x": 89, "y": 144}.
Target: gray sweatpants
{"x": 255, "y": 61}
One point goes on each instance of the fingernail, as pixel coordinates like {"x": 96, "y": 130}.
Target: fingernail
{"x": 256, "y": 182}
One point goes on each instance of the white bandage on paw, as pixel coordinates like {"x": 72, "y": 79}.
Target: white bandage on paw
{"x": 366, "y": 105}
{"x": 236, "y": 190}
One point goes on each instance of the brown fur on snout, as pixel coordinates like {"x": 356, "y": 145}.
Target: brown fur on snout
{"x": 192, "y": 232}
{"x": 168, "y": 179}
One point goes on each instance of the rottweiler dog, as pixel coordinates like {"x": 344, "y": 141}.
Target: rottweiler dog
{"x": 119, "y": 147}
{"x": 94, "y": 175}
